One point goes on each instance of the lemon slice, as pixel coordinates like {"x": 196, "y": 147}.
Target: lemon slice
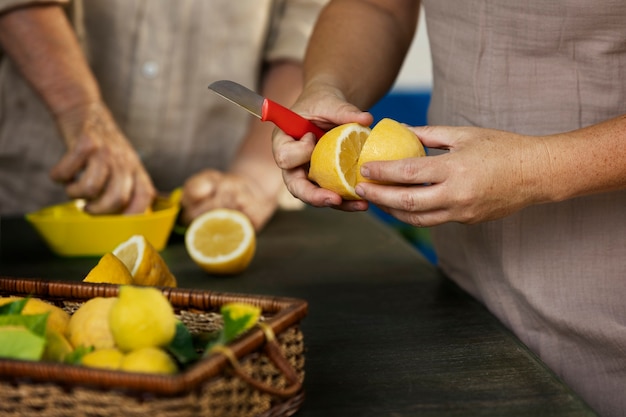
{"x": 337, "y": 158}
{"x": 221, "y": 241}
{"x": 145, "y": 264}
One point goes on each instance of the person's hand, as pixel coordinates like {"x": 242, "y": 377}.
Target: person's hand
{"x": 487, "y": 174}
{"x": 100, "y": 165}
{"x": 327, "y": 109}
{"x": 211, "y": 189}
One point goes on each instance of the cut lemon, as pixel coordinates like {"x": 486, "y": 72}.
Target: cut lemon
{"x": 110, "y": 269}
{"x": 221, "y": 241}
{"x": 337, "y": 158}
{"x": 388, "y": 141}
{"x": 145, "y": 264}
{"x": 334, "y": 159}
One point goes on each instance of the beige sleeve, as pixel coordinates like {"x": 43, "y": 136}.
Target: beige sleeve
{"x": 11, "y": 4}
{"x": 292, "y": 25}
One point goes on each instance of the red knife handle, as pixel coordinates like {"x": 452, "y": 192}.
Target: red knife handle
{"x": 289, "y": 122}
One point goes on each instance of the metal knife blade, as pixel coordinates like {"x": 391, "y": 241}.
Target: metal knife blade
{"x": 288, "y": 121}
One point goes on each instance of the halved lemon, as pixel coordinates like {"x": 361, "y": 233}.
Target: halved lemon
{"x": 221, "y": 241}
{"x": 337, "y": 158}
{"x": 145, "y": 264}
{"x": 110, "y": 269}
{"x": 334, "y": 159}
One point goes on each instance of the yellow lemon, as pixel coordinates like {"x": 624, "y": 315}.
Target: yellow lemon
{"x": 337, "y": 158}
{"x": 57, "y": 347}
{"x": 149, "y": 360}
{"x": 334, "y": 159}
{"x": 221, "y": 241}
{"x": 110, "y": 358}
{"x": 141, "y": 317}
{"x": 58, "y": 319}
{"x": 145, "y": 264}
{"x": 89, "y": 325}
{"x": 110, "y": 269}
{"x": 388, "y": 141}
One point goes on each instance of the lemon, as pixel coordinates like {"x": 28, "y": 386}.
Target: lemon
{"x": 110, "y": 269}
{"x": 89, "y": 325}
{"x": 149, "y": 360}
{"x": 145, "y": 264}
{"x": 110, "y": 358}
{"x": 141, "y": 317}
{"x": 58, "y": 319}
{"x": 337, "y": 158}
{"x": 388, "y": 141}
{"x": 57, "y": 347}
{"x": 221, "y": 241}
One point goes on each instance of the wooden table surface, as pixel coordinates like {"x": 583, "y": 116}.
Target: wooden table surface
{"x": 386, "y": 333}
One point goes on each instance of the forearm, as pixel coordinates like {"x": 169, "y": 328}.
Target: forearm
{"x": 282, "y": 83}
{"x": 43, "y": 46}
{"x": 586, "y": 161}
{"x": 359, "y": 50}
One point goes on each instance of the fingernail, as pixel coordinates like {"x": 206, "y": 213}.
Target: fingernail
{"x": 328, "y": 203}
{"x": 365, "y": 171}
{"x": 359, "y": 190}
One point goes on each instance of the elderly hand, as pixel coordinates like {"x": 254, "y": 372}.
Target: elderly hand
{"x": 292, "y": 155}
{"x": 100, "y": 165}
{"x": 211, "y": 189}
{"x": 487, "y": 174}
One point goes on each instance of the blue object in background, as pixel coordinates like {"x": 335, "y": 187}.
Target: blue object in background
{"x": 408, "y": 107}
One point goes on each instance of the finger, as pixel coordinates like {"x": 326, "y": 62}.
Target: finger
{"x": 143, "y": 195}
{"x": 421, "y": 219}
{"x": 91, "y": 182}
{"x": 70, "y": 165}
{"x": 412, "y": 199}
{"x": 421, "y": 170}
{"x": 115, "y": 197}
{"x": 440, "y": 137}
{"x": 290, "y": 153}
{"x": 200, "y": 187}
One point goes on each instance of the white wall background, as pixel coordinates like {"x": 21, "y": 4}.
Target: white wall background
{"x": 416, "y": 73}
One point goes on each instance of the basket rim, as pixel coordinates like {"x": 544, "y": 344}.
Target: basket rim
{"x": 286, "y": 312}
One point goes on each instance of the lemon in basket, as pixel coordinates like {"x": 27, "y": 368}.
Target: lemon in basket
{"x": 141, "y": 317}
{"x": 89, "y": 325}
{"x": 149, "y": 360}
{"x": 58, "y": 319}
{"x": 110, "y": 358}
{"x": 221, "y": 241}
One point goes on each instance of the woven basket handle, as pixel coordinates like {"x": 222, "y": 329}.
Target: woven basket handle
{"x": 274, "y": 353}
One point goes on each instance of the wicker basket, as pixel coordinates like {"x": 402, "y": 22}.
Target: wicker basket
{"x": 259, "y": 374}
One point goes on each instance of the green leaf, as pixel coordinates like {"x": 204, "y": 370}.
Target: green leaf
{"x": 182, "y": 346}
{"x": 14, "y": 307}
{"x": 17, "y": 342}
{"x": 35, "y": 323}
{"x": 237, "y": 317}
{"x": 75, "y": 357}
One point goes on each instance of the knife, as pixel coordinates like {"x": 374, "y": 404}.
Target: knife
{"x": 265, "y": 109}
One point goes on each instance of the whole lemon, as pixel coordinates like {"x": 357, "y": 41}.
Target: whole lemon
{"x": 58, "y": 319}
{"x": 89, "y": 325}
{"x": 141, "y": 317}
{"x": 149, "y": 360}
{"x": 110, "y": 358}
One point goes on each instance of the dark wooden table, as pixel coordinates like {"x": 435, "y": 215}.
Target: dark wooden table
{"x": 386, "y": 334}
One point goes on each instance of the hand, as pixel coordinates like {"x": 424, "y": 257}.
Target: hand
{"x": 487, "y": 174}
{"x": 293, "y": 155}
{"x": 211, "y": 189}
{"x": 100, "y": 165}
